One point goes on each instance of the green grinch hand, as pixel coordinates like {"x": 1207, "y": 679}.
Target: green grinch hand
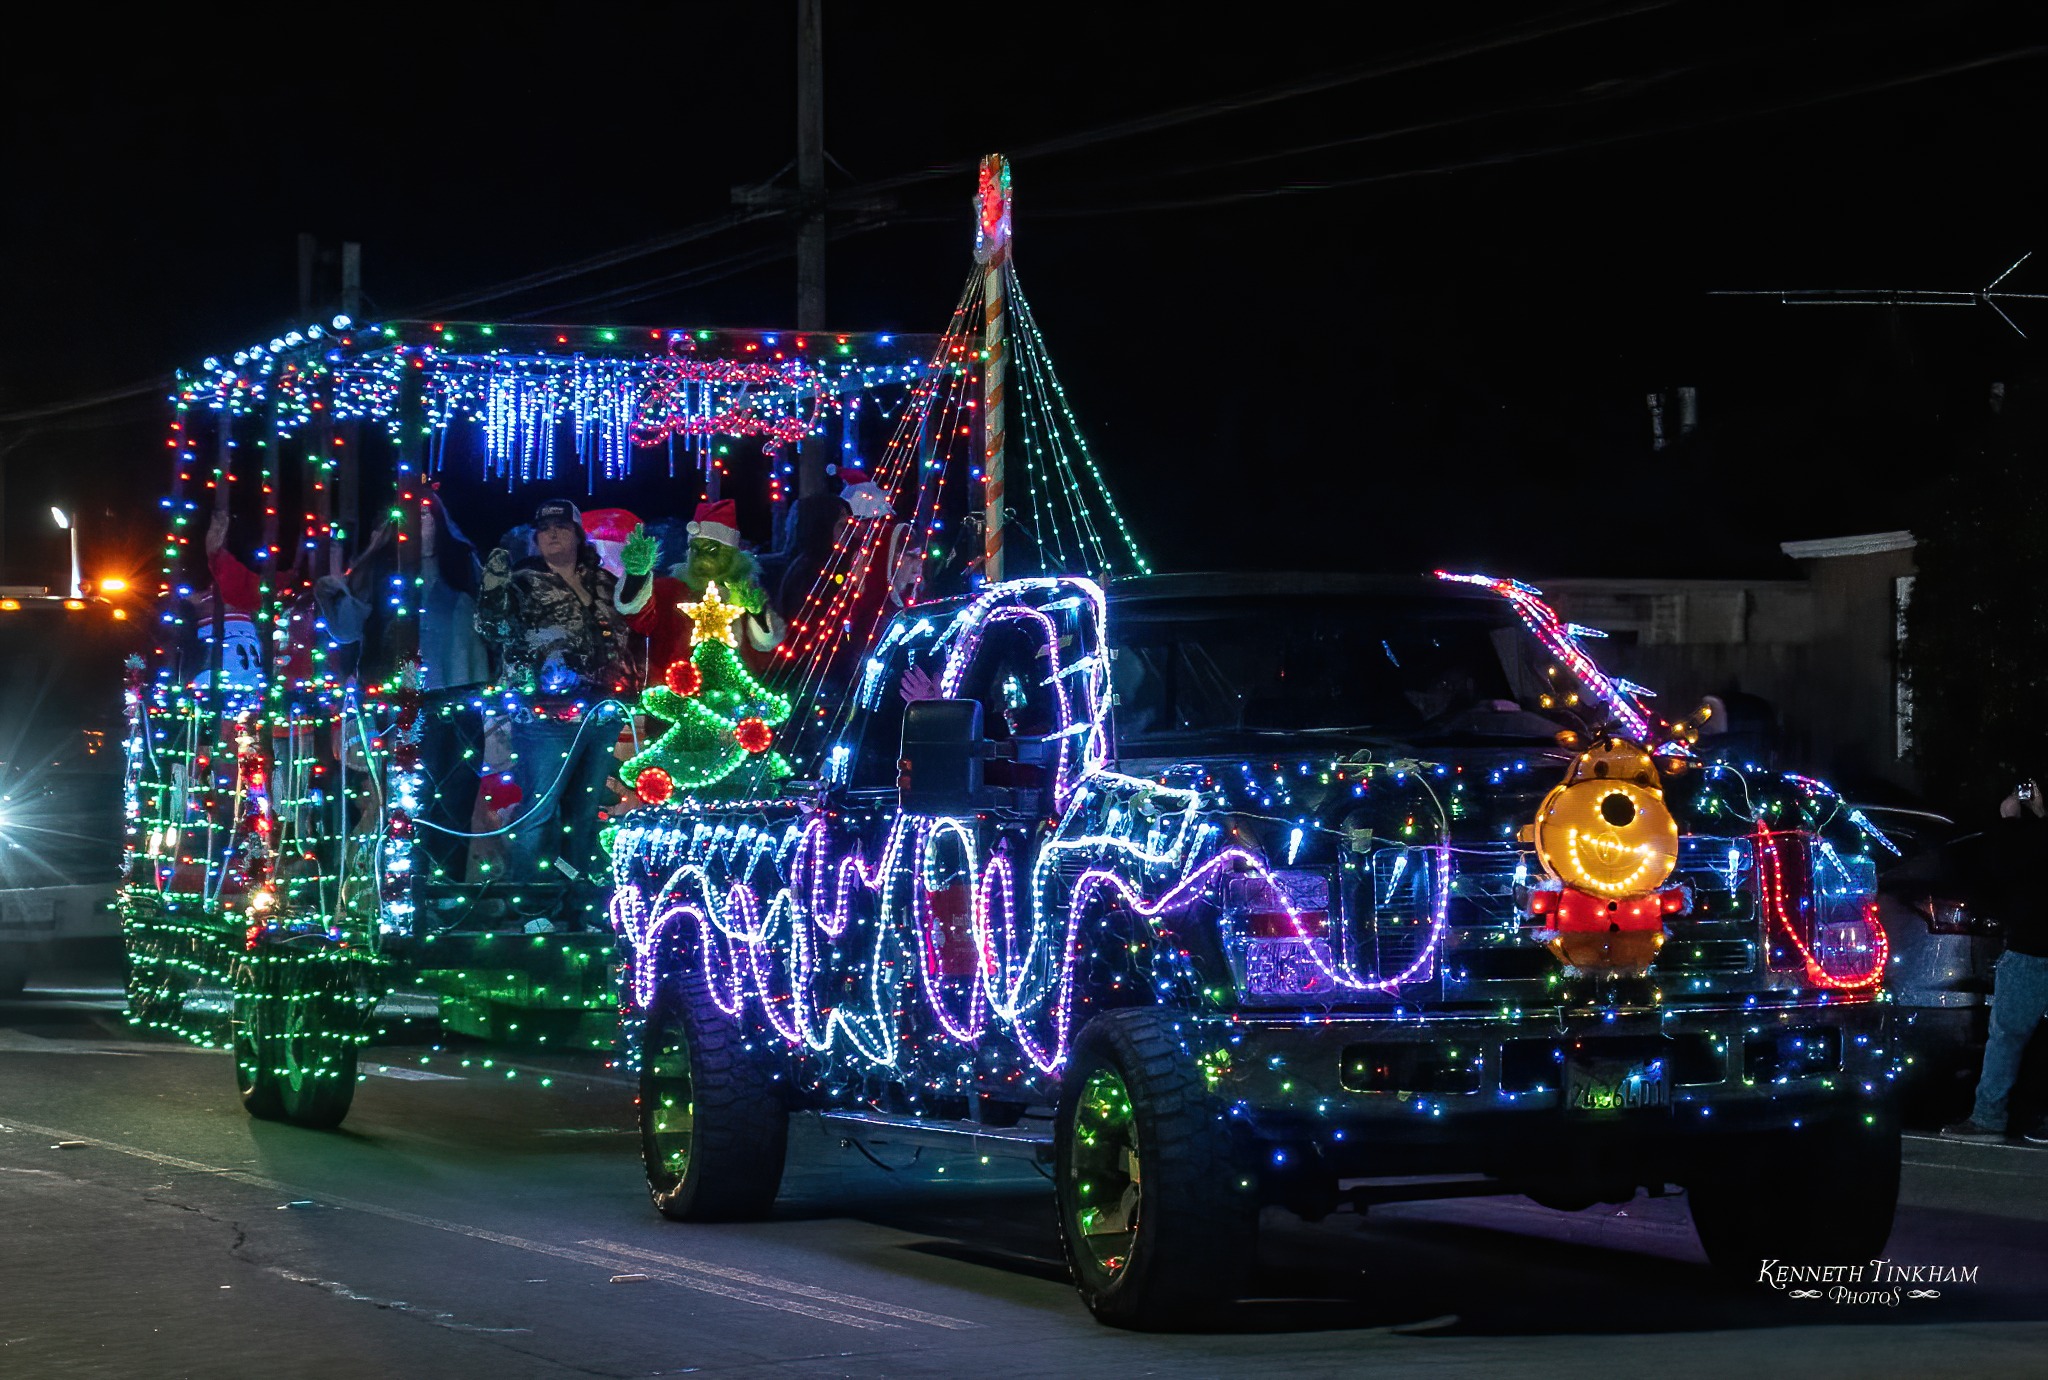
{"x": 640, "y": 552}
{"x": 748, "y": 596}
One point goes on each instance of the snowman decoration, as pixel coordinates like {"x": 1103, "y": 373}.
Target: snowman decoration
{"x": 1606, "y": 837}
{"x": 241, "y": 653}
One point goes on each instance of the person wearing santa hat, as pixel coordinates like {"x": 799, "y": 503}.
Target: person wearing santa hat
{"x": 863, "y": 495}
{"x": 651, "y": 603}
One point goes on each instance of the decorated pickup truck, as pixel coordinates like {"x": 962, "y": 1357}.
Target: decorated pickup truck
{"x": 1219, "y": 892}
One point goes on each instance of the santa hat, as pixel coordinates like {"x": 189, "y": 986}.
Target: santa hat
{"x": 864, "y": 495}
{"x": 500, "y": 791}
{"x": 608, "y": 529}
{"x": 609, "y": 524}
{"x": 719, "y": 520}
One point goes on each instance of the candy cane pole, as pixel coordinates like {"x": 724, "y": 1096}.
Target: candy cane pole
{"x": 992, "y": 252}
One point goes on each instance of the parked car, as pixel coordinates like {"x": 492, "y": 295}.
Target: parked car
{"x": 61, "y": 734}
{"x": 1944, "y": 949}
{"x": 1230, "y": 891}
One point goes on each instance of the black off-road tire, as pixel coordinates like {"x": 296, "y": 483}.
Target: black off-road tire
{"x": 714, "y": 1123}
{"x": 295, "y": 1049}
{"x": 1824, "y": 1195}
{"x": 1194, "y": 1201}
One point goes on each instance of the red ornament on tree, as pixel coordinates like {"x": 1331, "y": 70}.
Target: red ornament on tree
{"x": 654, "y": 785}
{"x": 684, "y": 678}
{"x": 753, "y": 735}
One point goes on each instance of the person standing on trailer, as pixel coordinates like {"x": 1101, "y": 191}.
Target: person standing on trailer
{"x": 564, "y": 648}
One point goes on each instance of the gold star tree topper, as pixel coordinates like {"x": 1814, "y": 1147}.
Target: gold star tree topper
{"x": 711, "y": 618}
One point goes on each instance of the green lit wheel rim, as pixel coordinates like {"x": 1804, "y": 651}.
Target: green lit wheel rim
{"x": 299, "y": 1043}
{"x": 670, "y": 1093}
{"x": 294, "y": 1048}
{"x": 1105, "y": 1172}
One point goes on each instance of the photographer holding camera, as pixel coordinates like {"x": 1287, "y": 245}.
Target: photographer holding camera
{"x": 2019, "y": 990}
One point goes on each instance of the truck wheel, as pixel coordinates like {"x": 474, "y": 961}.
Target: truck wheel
{"x": 714, "y": 1127}
{"x": 295, "y": 1049}
{"x": 1824, "y": 1197}
{"x": 1158, "y": 1213}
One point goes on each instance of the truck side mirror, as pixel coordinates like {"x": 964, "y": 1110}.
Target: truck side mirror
{"x": 939, "y": 769}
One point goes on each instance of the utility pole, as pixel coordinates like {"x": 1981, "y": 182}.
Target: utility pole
{"x": 809, "y": 203}
{"x": 309, "y": 252}
{"x": 810, "y": 164}
{"x": 351, "y": 279}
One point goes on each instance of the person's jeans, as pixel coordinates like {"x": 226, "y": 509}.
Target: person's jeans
{"x": 448, "y": 754}
{"x": 561, "y": 770}
{"x": 2019, "y": 998}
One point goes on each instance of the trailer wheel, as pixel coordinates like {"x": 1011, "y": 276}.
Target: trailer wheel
{"x": 714, "y": 1127}
{"x": 1158, "y": 1210}
{"x": 294, "y": 1045}
{"x": 156, "y": 987}
{"x": 1825, "y": 1195}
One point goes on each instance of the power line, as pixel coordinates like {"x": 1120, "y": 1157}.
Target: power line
{"x": 1620, "y": 89}
{"x": 597, "y": 263}
{"x": 159, "y": 384}
{"x": 1415, "y": 59}
{"x": 1543, "y": 151}
{"x": 1410, "y": 61}
{"x": 668, "y": 284}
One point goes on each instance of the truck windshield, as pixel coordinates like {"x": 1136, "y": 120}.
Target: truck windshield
{"x": 1412, "y": 668}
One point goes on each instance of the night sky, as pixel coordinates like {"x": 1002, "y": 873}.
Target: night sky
{"x": 1376, "y": 319}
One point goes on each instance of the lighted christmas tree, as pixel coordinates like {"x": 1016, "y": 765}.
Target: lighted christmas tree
{"x": 722, "y": 720}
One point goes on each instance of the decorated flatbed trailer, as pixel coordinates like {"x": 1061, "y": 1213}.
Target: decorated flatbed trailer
{"x": 1222, "y": 892}
{"x": 333, "y": 771}
{"x": 364, "y": 759}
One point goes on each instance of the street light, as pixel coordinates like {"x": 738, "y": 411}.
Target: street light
{"x": 64, "y": 521}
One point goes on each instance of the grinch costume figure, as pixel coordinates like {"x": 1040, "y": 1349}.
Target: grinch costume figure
{"x": 722, "y": 721}
{"x": 710, "y": 634}
{"x": 655, "y": 605}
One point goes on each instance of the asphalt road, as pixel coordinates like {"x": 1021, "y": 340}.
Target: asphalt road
{"x": 474, "y": 1220}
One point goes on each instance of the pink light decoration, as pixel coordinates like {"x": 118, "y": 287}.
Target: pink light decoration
{"x": 1022, "y": 975}
{"x": 1770, "y": 870}
{"x": 1558, "y": 640}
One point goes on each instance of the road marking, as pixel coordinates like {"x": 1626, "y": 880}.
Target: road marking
{"x": 701, "y": 1283}
{"x": 809, "y": 1291}
{"x": 21, "y": 1042}
{"x": 407, "y": 1075}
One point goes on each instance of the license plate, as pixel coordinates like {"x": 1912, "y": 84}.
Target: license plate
{"x": 1613, "y": 1085}
{"x": 26, "y": 910}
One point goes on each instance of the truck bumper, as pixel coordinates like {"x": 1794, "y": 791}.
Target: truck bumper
{"x": 1549, "y": 1097}
{"x": 46, "y": 914}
